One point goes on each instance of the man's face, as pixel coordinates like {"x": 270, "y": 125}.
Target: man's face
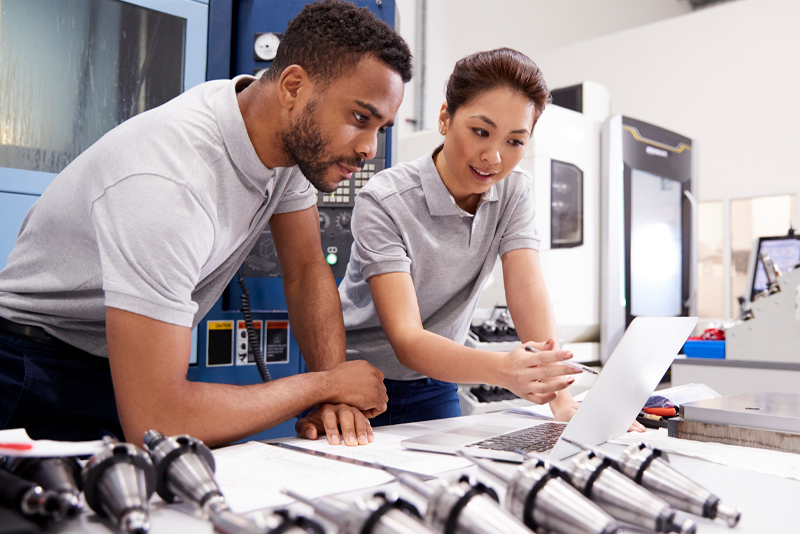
{"x": 338, "y": 127}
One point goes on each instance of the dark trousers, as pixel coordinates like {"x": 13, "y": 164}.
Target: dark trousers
{"x": 418, "y": 400}
{"x": 54, "y": 393}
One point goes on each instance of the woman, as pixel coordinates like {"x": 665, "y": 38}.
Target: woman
{"x": 427, "y": 234}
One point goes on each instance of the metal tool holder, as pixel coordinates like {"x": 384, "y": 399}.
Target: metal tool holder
{"x": 26, "y": 497}
{"x": 622, "y": 498}
{"x": 377, "y": 514}
{"x": 118, "y": 482}
{"x": 278, "y": 522}
{"x": 185, "y": 470}
{"x": 61, "y": 475}
{"x": 537, "y": 495}
{"x": 462, "y": 507}
{"x": 651, "y": 469}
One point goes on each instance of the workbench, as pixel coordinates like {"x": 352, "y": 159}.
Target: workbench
{"x": 767, "y": 502}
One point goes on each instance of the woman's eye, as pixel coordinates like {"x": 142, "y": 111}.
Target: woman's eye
{"x": 516, "y": 142}
{"x": 481, "y": 133}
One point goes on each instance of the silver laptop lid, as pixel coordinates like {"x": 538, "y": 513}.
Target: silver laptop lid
{"x": 628, "y": 378}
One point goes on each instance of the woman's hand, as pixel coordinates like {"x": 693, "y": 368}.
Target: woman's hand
{"x": 564, "y": 412}
{"x": 535, "y": 376}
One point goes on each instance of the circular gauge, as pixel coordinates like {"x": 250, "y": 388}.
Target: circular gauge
{"x": 266, "y": 46}
{"x": 324, "y": 221}
{"x": 343, "y": 221}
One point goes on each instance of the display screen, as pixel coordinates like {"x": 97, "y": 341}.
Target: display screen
{"x": 784, "y": 252}
{"x": 71, "y": 70}
{"x": 656, "y": 246}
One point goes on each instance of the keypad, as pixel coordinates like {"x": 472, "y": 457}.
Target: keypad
{"x": 539, "y": 438}
{"x": 348, "y": 189}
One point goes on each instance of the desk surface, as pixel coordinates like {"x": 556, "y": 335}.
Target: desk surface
{"x": 766, "y": 502}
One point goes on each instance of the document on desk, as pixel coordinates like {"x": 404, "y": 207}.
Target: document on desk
{"x": 386, "y": 450}
{"x": 252, "y": 475}
{"x": 16, "y": 442}
{"x": 779, "y": 464}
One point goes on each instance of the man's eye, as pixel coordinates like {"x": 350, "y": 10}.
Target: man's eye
{"x": 382, "y": 129}
{"x": 360, "y": 117}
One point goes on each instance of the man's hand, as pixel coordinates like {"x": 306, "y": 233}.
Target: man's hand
{"x": 535, "y": 376}
{"x": 358, "y": 384}
{"x": 332, "y": 419}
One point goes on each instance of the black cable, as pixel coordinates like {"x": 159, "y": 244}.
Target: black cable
{"x": 253, "y": 345}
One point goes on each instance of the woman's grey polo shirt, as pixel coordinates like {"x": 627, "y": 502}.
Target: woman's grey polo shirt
{"x": 405, "y": 220}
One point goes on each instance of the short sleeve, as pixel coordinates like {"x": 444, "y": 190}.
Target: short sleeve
{"x": 298, "y": 194}
{"x": 378, "y": 245}
{"x": 153, "y": 238}
{"x": 520, "y": 231}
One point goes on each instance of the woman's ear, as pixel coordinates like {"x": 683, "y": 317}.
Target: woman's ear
{"x": 444, "y": 119}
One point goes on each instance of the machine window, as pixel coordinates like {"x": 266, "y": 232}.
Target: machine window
{"x": 71, "y": 70}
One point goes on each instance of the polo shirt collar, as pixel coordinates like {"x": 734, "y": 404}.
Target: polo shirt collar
{"x": 438, "y": 197}
{"x": 234, "y": 134}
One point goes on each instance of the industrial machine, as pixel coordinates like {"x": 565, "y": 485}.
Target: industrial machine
{"x": 649, "y": 226}
{"x": 140, "y": 53}
{"x": 768, "y": 328}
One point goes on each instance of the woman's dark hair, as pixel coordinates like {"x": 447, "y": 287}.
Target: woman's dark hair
{"x": 329, "y": 38}
{"x": 482, "y": 72}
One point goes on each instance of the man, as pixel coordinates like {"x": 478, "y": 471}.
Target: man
{"x": 137, "y": 238}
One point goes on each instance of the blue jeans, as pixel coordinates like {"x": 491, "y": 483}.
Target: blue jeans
{"x": 418, "y": 400}
{"x": 56, "y": 394}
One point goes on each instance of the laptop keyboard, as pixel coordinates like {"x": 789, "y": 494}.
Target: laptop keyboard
{"x": 539, "y": 438}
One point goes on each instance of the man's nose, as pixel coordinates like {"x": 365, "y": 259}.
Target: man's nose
{"x": 367, "y": 145}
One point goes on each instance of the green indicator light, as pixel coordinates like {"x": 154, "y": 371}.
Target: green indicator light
{"x": 331, "y": 259}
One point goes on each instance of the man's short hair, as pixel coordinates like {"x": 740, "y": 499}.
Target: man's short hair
{"x": 329, "y": 38}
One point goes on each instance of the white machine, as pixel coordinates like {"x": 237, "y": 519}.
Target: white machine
{"x": 768, "y": 328}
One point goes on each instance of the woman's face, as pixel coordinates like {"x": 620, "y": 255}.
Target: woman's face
{"x": 484, "y": 141}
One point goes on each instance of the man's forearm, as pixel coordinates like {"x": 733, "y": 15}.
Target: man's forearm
{"x": 316, "y": 316}
{"x": 222, "y": 413}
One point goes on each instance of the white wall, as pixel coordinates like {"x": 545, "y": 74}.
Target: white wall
{"x": 456, "y": 28}
{"x": 727, "y": 76}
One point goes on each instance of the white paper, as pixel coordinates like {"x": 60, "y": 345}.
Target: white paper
{"x": 537, "y": 411}
{"x": 386, "y": 450}
{"x": 252, "y": 475}
{"x": 44, "y": 448}
{"x": 774, "y": 463}
{"x": 687, "y": 393}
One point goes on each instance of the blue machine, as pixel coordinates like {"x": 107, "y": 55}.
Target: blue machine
{"x": 43, "y": 128}
{"x": 51, "y": 109}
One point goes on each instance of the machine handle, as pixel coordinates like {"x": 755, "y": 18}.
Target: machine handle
{"x": 693, "y": 277}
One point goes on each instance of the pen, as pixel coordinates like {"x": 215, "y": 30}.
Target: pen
{"x": 16, "y": 446}
{"x": 574, "y": 365}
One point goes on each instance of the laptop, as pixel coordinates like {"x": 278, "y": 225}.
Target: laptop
{"x": 626, "y": 381}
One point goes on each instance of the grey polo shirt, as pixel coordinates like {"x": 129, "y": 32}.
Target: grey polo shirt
{"x": 405, "y": 220}
{"x": 154, "y": 218}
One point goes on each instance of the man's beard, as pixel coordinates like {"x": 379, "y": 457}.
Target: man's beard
{"x": 308, "y": 147}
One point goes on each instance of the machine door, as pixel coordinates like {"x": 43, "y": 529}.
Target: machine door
{"x": 658, "y": 221}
